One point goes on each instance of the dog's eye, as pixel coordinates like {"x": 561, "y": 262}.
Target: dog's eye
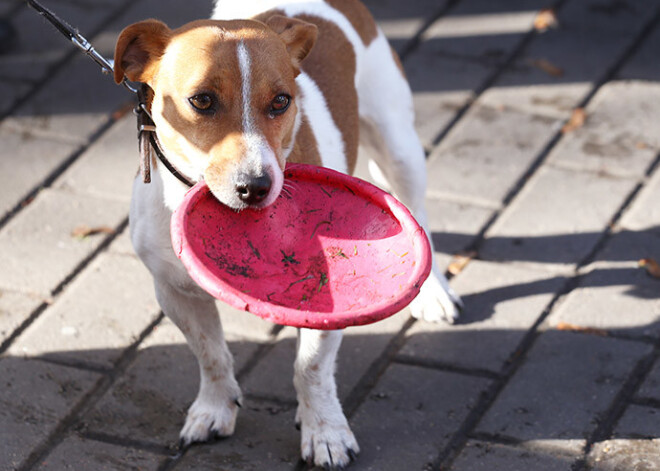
{"x": 280, "y": 104}
{"x": 201, "y": 102}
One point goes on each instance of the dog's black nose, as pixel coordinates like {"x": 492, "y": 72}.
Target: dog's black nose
{"x": 254, "y": 189}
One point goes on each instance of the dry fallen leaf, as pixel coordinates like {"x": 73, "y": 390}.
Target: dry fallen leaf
{"x": 545, "y": 19}
{"x": 460, "y": 261}
{"x": 576, "y": 121}
{"x": 579, "y": 328}
{"x": 547, "y": 67}
{"x": 652, "y": 267}
{"x": 83, "y": 230}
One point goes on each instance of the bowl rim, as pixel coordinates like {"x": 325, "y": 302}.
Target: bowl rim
{"x": 219, "y": 289}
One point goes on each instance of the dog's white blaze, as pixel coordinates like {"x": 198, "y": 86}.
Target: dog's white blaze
{"x": 260, "y": 155}
{"x": 249, "y": 131}
{"x": 328, "y": 137}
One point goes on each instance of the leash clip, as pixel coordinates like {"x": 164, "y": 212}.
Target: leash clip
{"x": 78, "y": 40}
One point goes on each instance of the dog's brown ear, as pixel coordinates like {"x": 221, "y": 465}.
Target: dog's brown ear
{"x": 138, "y": 48}
{"x": 299, "y": 36}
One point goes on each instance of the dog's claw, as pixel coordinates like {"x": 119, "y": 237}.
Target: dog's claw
{"x": 332, "y": 467}
{"x": 183, "y": 445}
{"x": 328, "y": 455}
{"x": 331, "y": 464}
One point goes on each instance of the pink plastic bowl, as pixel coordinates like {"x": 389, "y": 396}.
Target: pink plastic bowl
{"x": 333, "y": 251}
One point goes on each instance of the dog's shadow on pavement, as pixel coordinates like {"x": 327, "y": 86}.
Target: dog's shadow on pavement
{"x": 616, "y": 265}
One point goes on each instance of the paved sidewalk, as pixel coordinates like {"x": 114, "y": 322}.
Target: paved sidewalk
{"x": 554, "y": 365}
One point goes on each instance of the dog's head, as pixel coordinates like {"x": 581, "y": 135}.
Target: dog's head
{"x": 224, "y": 99}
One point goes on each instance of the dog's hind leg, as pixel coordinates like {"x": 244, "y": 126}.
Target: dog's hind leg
{"x": 388, "y": 135}
{"x": 213, "y": 413}
{"x": 326, "y": 440}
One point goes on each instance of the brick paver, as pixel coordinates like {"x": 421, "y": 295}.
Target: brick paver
{"x": 39, "y": 249}
{"x": 638, "y": 422}
{"x": 567, "y": 381}
{"x": 651, "y": 386}
{"x": 488, "y": 152}
{"x": 488, "y": 456}
{"x": 554, "y": 365}
{"x": 39, "y": 157}
{"x": 410, "y": 414}
{"x": 505, "y": 301}
{"x": 79, "y": 453}
{"x": 35, "y": 397}
{"x": 66, "y": 328}
{"x": 541, "y": 226}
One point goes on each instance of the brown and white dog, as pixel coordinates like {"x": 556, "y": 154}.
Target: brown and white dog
{"x": 234, "y": 100}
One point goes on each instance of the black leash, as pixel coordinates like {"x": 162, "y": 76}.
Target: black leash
{"x": 147, "y": 138}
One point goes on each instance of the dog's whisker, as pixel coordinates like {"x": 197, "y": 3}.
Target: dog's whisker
{"x": 289, "y": 186}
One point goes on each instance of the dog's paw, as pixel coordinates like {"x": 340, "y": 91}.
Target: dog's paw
{"x": 436, "y": 302}
{"x": 207, "y": 420}
{"x": 328, "y": 443}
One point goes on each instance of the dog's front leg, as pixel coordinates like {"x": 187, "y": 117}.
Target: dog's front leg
{"x": 326, "y": 440}
{"x": 214, "y": 411}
